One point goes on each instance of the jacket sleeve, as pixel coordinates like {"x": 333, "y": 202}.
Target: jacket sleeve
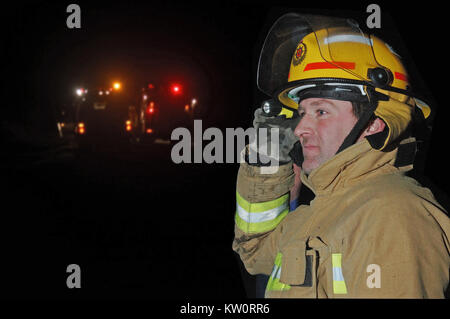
{"x": 402, "y": 251}
{"x": 262, "y": 202}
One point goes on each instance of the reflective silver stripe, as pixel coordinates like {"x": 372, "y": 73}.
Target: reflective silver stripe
{"x": 261, "y": 216}
{"x": 276, "y": 272}
{"x": 337, "y": 274}
{"x": 348, "y": 38}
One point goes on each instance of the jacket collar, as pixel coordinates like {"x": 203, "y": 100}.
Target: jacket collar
{"x": 357, "y": 162}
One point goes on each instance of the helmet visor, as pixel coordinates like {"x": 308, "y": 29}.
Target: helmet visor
{"x": 340, "y": 41}
{"x": 277, "y": 50}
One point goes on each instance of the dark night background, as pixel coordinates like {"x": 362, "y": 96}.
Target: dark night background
{"x": 138, "y": 225}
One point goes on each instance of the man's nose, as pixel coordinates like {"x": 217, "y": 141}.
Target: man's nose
{"x": 304, "y": 126}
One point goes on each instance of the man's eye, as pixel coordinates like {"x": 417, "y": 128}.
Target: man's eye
{"x": 321, "y": 112}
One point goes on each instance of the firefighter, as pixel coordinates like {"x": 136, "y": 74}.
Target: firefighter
{"x": 346, "y": 119}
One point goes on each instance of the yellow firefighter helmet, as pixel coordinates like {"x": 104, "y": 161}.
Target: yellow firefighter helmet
{"x": 314, "y": 56}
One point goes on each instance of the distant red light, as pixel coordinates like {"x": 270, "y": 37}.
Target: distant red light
{"x": 176, "y": 89}
{"x": 151, "y": 108}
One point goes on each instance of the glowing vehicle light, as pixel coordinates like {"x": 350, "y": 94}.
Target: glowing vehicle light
{"x": 128, "y": 125}
{"x": 176, "y": 89}
{"x": 81, "y": 128}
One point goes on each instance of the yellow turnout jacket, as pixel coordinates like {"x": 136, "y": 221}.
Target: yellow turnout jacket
{"x": 370, "y": 232}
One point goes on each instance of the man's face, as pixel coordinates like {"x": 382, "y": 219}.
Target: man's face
{"x": 323, "y": 126}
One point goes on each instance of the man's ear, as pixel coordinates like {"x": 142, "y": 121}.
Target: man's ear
{"x": 375, "y": 126}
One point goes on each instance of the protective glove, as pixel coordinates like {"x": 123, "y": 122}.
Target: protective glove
{"x": 262, "y": 151}
{"x": 296, "y": 154}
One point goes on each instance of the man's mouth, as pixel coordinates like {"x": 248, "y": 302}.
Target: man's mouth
{"x": 310, "y": 150}
{"x": 310, "y": 147}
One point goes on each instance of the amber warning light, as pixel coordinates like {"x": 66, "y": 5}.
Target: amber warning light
{"x": 128, "y": 125}
{"x": 81, "y": 129}
{"x": 117, "y": 86}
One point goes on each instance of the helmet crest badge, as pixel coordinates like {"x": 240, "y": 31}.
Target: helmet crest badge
{"x": 299, "y": 55}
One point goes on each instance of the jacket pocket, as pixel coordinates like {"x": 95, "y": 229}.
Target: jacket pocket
{"x": 292, "y": 268}
{"x": 294, "y": 263}
{"x": 295, "y": 271}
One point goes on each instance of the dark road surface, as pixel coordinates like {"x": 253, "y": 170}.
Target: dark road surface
{"x": 138, "y": 225}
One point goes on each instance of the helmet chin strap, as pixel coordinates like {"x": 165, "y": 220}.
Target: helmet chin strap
{"x": 363, "y": 121}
